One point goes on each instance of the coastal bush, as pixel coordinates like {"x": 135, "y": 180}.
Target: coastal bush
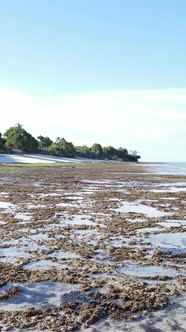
{"x": 97, "y": 149}
{"x": 18, "y": 138}
{"x": 44, "y": 142}
{"x": 63, "y": 148}
{"x": 2, "y": 144}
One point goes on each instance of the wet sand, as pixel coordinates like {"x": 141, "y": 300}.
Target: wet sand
{"x": 92, "y": 247}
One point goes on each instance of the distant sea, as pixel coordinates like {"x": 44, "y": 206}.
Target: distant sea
{"x": 173, "y": 168}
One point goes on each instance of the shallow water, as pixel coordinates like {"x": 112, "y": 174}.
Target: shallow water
{"x": 78, "y": 220}
{"x": 168, "y": 198}
{"x": 37, "y": 206}
{"x": 44, "y": 265}
{"x": 63, "y": 255}
{"x": 101, "y": 181}
{"x": 67, "y": 205}
{"x": 177, "y": 168}
{"x": 172, "y": 223}
{"x": 23, "y": 216}
{"x": 151, "y": 212}
{"x": 49, "y": 194}
{"x": 18, "y": 249}
{"x": 38, "y": 236}
{"x": 170, "y": 190}
{"x": 149, "y": 229}
{"x": 88, "y": 236}
{"x": 7, "y": 206}
{"x": 136, "y": 220}
{"x": 7, "y": 254}
{"x": 85, "y": 231}
{"x": 174, "y": 242}
{"x": 38, "y": 295}
{"x": 147, "y": 271}
{"x": 169, "y": 187}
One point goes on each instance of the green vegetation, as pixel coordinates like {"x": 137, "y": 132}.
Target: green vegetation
{"x": 2, "y": 144}
{"x": 17, "y": 138}
{"x": 62, "y": 148}
{"x": 97, "y": 149}
{"x": 27, "y": 167}
{"x": 44, "y": 142}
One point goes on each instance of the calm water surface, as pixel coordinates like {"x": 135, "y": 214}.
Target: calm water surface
{"x": 168, "y": 168}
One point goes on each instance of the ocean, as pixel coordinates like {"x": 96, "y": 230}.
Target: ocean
{"x": 172, "y": 168}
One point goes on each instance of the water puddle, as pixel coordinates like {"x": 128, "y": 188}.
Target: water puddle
{"x": 11, "y": 254}
{"x": 44, "y": 265}
{"x": 149, "y": 229}
{"x": 7, "y": 206}
{"x": 36, "y": 206}
{"x": 102, "y": 257}
{"x": 172, "y": 223}
{"x": 85, "y": 231}
{"x": 80, "y": 198}
{"x": 4, "y": 194}
{"x": 78, "y": 220}
{"x": 88, "y": 236}
{"x": 2, "y": 222}
{"x": 101, "y": 181}
{"x": 100, "y": 290}
{"x": 143, "y": 271}
{"x": 172, "y": 184}
{"x": 23, "y": 216}
{"x": 101, "y": 275}
{"x": 68, "y": 205}
{"x": 38, "y": 295}
{"x": 118, "y": 242}
{"x": 49, "y": 195}
{"x": 136, "y": 220}
{"x": 149, "y": 211}
{"x": 18, "y": 249}
{"x": 64, "y": 255}
{"x": 127, "y": 242}
{"x": 169, "y": 190}
{"x": 38, "y": 237}
{"x": 168, "y": 198}
{"x": 173, "y": 242}
{"x": 23, "y": 242}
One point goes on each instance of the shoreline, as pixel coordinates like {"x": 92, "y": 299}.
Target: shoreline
{"x": 43, "y": 158}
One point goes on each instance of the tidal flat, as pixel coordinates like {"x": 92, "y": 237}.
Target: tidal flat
{"x": 92, "y": 247}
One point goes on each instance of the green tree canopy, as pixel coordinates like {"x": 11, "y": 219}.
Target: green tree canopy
{"x": 82, "y": 149}
{"x": 18, "y": 138}
{"x": 109, "y": 151}
{"x": 97, "y": 148}
{"x": 44, "y": 142}
{"x": 122, "y": 153}
{"x": 2, "y": 143}
{"x": 62, "y": 147}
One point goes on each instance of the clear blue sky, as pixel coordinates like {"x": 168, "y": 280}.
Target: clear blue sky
{"x": 53, "y": 49}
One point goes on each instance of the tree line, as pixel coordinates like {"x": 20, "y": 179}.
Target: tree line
{"x": 17, "y": 138}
